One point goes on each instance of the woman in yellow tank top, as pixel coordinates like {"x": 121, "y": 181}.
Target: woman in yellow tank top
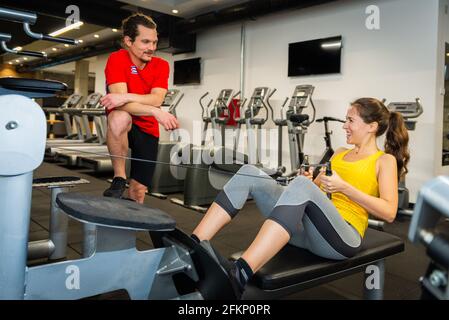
{"x": 364, "y": 180}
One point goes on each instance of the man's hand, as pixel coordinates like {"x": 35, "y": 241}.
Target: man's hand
{"x": 114, "y": 100}
{"x": 167, "y": 120}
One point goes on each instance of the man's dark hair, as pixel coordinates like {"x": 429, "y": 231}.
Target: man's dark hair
{"x": 130, "y": 25}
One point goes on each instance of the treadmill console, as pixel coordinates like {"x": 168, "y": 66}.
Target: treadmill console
{"x": 301, "y": 96}
{"x": 258, "y": 97}
{"x": 92, "y": 100}
{"x": 222, "y": 102}
{"x": 170, "y": 97}
{"x": 224, "y": 96}
{"x": 407, "y": 109}
{"x": 256, "y": 102}
{"x": 72, "y": 101}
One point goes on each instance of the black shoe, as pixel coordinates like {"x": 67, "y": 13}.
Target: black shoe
{"x": 228, "y": 267}
{"x": 116, "y": 189}
{"x": 223, "y": 262}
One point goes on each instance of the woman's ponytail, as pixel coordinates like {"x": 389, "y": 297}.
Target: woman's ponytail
{"x": 396, "y": 142}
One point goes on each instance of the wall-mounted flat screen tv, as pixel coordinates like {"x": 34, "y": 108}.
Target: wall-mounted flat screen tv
{"x": 314, "y": 57}
{"x": 187, "y": 71}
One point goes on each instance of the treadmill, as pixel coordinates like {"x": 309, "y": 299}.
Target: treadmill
{"x": 164, "y": 182}
{"x": 82, "y": 124}
{"x": 68, "y": 155}
{"x": 71, "y": 102}
{"x": 102, "y": 162}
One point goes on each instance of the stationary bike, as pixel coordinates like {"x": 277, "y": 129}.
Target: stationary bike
{"x": 329, "y": 151}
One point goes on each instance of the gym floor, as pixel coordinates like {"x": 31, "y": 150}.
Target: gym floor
{"x": 402, "y": 270}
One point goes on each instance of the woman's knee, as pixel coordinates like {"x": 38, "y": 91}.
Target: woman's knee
{"x": 245, "y": 177}
{"x": 300, "y": 181}
{"x": 119, "y": 122}
{"x": 250, "y": 170}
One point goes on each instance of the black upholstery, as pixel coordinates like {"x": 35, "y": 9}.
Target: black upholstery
{"x": 221, "y": 120}
{"x": 297, "y": 119}
{"x": 114, "y": 212}
{"x": 293, "y": 265}
{"x": 280, "y": 122}
{"x": 55, "y": 179}
{"x": 53, "y": 182}
{"x": 32, "y": 85}
{"x": 257, "y": 121}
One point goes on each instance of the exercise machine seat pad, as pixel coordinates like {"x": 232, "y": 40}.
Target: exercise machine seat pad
{"x": 24, "y": 84}
{"x": 293, "y": 265}
{"x": 120, "y": 213}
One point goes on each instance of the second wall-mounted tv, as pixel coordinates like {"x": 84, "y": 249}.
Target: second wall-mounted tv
{"x": 187, "y": 71}
{"x": 315, "y": 57}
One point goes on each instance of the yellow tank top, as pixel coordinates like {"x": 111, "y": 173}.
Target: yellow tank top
{"x": 360, "y": 174}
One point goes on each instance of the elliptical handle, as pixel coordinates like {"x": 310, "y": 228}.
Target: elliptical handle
{"x": 235, "y": 95}
{"x": 201, "y": 103}
{"x": 420, "y": 108}
{"x": 172, "y": 109}
{"x": 266, "y": 108}
{"x": 269, "y": 104}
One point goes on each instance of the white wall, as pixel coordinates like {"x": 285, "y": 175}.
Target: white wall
{"x": 219, "y": 50}
{"x": 98, "y": 67}
{"x": 397, "y": 62}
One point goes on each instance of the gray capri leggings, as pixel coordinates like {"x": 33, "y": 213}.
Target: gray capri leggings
{"x": 301, "y": 208}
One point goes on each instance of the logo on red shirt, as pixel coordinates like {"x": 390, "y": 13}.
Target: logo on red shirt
{"x": 133, "y": 70}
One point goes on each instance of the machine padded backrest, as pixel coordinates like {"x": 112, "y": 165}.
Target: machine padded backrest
{"x": 21, "y": 148}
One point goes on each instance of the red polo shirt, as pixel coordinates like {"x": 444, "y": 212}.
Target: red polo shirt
{"x": 120, "y": 68}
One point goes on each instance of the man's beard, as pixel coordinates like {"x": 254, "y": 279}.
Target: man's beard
{"x": 144, "y": 57}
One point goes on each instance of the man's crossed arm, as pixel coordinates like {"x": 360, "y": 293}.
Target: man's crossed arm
{"x": 139, "y": 105}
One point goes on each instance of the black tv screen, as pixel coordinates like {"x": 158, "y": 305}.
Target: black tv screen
{"x": 320, "y": 56}
{"x": 187, "y": 71}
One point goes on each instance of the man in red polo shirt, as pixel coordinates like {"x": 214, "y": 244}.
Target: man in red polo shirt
{"x": 137, "y": 83}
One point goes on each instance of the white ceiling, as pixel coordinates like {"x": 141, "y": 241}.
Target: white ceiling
{"x": 85, "y": 33}
{"x": 186, "y": 8}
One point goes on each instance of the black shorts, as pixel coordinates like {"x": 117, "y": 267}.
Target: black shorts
{"x": 143, "y": 146}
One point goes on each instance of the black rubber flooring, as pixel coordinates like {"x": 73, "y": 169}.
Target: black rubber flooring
{"x": 402, "y": 270}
